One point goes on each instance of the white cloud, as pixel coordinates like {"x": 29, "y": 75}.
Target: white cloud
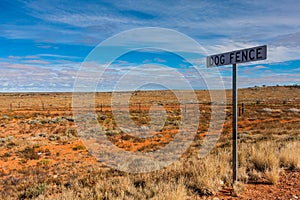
{"x": 297, "y": 69}
{"x": 260, "y": 67}
{"x": 21, "y": 77}
{"x": 270, "y": 79}
{"x": 41, "y": 62}
{"x": 196, "y": 18}
{"x": 57, "y": 56}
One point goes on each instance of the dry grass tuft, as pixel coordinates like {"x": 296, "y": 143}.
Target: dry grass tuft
{"x": 272, "y": 175}
{"x": 264, "y": 156}
{"x": 176, "y": 190}
{"x": 290, "y": 156}
{"x": 210, "y": 173}
{"x": 243, "y": 175}
{"x": 254, "y": 175}
{"x": 264, "y": 159}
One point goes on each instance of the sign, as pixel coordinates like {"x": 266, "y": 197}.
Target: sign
{"x": 239, "y": 56}
{"x": 235, "y": 57}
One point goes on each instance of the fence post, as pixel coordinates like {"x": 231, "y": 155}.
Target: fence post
{"x": 243, "y": 108}
{"x": 284, "y": 101}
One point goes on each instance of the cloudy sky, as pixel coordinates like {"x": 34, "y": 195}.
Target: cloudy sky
{"x": 44, "y": 43}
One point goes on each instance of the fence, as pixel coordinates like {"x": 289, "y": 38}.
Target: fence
{"x": 142, "y": 107}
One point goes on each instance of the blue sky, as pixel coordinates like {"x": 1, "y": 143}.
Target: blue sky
{"x": 43, "y": 43}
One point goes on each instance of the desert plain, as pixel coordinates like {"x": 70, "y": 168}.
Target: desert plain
{"x": 42, "y": 155}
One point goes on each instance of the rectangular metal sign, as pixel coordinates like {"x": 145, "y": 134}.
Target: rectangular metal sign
{"x": 239, "y": 56}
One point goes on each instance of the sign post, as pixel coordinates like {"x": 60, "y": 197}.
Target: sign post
{"x": 235, "y": 57}
{"x": 234, "y": 123}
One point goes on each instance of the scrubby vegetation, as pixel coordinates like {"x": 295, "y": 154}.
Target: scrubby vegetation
{"x": 42, "y": 157}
